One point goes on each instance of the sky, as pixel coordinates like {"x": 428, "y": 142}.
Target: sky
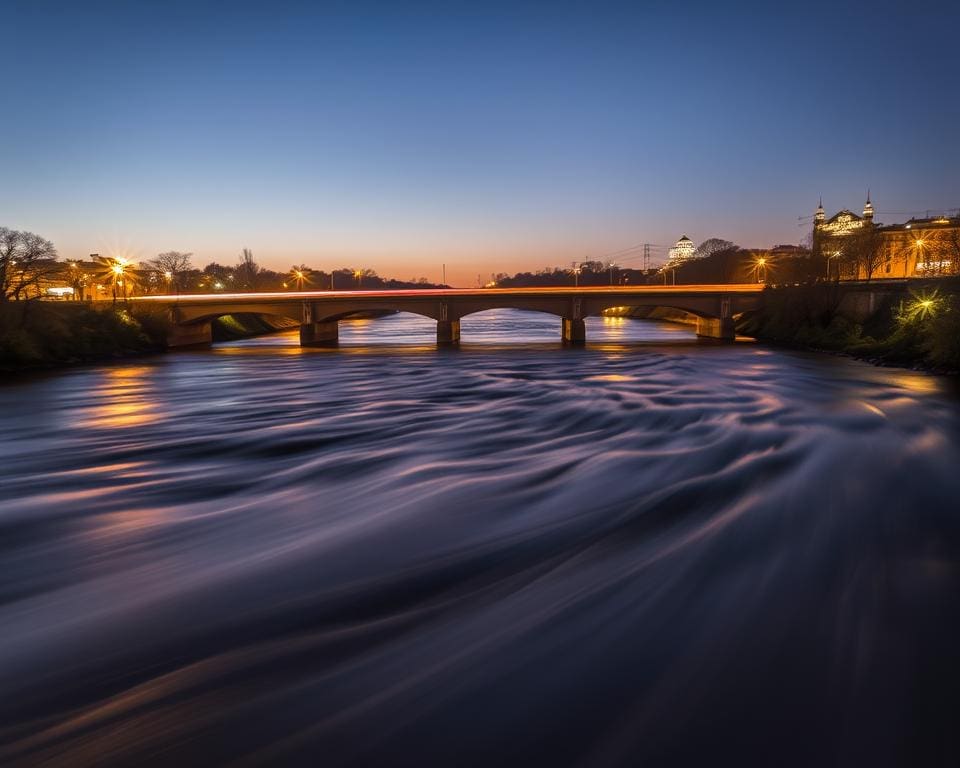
{"x": 489, "y": 137}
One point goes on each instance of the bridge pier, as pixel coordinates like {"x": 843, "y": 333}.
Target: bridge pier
{"x": 448, "y": 331}
{"x": 716, "y": 328}
{"x": 193, "y": 335}
{"x": 574, "y": 331}
{"x": 326, "y": 334}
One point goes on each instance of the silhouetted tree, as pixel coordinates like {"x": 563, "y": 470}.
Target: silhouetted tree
{"x": 27, "y": 263}
{"x": 862, "y": 253}
{"x": 172, "y": 268}
{"x": 712, "y": 246}
{"x": 247, "y": 272}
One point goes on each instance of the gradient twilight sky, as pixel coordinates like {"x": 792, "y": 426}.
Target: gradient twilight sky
{"x": 490, "y": 136}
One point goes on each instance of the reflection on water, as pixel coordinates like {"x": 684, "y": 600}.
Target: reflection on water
{"x": 120, "y": 401}
{"x": 648, "y": 551}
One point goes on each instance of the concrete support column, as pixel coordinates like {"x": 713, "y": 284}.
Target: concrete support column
{"x": 448, "y": 331}
{"x": 193, "y": 335}
{"x": 716, "y": 328}
{"x": 574, "y": 331}
{"x": 326, "y": 334}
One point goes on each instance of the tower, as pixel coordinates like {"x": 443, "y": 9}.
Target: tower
{"x": 868, "y": 209}
{"x": 820, "y": 216}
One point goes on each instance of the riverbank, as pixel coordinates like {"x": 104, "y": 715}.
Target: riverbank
{"x": 920, "y": 330}
{"x": 38, "y": 335}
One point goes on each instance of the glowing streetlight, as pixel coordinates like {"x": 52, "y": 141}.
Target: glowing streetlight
{"x": 919, "y": 243}
{"x": 116, "y": 273}
{"x": 761, "y": 269}
{"x": 358, "y": 274}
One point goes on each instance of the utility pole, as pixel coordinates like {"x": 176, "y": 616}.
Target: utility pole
{"x": 646, "y": 257}
{"x": 444, "y": 274}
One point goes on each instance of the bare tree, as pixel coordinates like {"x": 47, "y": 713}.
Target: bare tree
{"x": 863, "y": 253}
{"x": 172, "y": 267}
{"x": 27, "y": 263}
{"x": 712, "y": 246}
{"x": 950, "y": 250}
{"x": 937, "y": 251}
{"x": 247, "y": 273}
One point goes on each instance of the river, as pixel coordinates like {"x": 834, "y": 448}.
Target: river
{"x": 649, "y": 551}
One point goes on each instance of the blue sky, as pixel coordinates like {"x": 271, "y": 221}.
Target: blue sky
{"x": 492, "y": 137}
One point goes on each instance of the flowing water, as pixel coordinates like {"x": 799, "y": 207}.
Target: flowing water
{"x": 650, "y": 551}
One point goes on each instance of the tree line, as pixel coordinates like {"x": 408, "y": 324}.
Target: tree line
{"x": 30, "y": 266}
{"x": 715, "y": 261}
{"x": 174, "y": 271}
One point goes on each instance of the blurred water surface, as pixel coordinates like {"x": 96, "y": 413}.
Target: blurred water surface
{"x": 649, "y": 551}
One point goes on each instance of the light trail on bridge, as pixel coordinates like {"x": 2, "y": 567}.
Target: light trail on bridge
{"x": 643, "y": 290}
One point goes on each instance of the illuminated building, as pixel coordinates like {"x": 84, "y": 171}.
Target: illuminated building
{"x": 857, "y": 247}
{"x": 682, "y": 251}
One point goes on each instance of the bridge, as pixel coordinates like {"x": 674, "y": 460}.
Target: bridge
{"x": 319, "y": 312}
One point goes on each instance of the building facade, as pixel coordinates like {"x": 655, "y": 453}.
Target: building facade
{"x": 858, "y": 247}
{"x": 681, "y": 251}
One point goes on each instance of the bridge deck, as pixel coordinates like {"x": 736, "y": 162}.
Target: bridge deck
{"x": 435, "y": 293}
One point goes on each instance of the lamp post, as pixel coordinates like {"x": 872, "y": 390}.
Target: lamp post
{"x": 919, "y": 244}
{"x": 117, "y": 270}
{"x": 358, "y": 273}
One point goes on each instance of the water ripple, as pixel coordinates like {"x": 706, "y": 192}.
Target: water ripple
{"x": 650, "y": 551}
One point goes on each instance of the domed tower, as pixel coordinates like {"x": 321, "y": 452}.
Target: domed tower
{"x": 820, "y": 216}
{"x": 682, "y": 250}
{"x": 868, "y": 209}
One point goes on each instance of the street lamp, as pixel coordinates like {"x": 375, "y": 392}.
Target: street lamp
{"x": 761, "y": 267}
{"x": 576, "y": 275}
{"x": 919, "y": 243}
{"x": 117, "y": 270}
{"x": 358, "y": 274}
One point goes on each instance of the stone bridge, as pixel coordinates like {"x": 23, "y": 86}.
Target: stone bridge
{"x": 318, "y": 312}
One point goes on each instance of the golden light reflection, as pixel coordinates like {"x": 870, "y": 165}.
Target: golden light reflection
{"x": 914, "y": 382}
{"x": 610, "y": 377}
{"x": 123, "y": 401}
{"x": 103, "y": 469}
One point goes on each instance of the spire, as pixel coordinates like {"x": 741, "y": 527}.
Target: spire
{"x": 819, "y": 215}
{"x": 868, "y": 208}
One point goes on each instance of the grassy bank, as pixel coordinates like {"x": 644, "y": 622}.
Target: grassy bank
{"x": 39, "y": 334}
{"x": 921, "y": 330}
{"x": 47, "y": 334}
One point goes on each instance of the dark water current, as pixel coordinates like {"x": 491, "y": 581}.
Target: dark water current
{"x": 647, "y": 552}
